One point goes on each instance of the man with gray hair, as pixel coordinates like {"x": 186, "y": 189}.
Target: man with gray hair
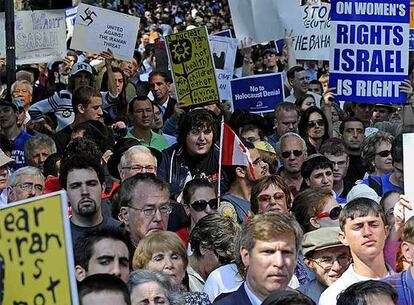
{"x": 291, "y": 150}
{"x": 26, "y": 182}
{"x": 23, "y": 90}
{"x": 137, "y": 159}
{"x": 37, "y": 149}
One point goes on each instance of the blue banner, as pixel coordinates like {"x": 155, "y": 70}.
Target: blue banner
{"x": 258, "y": 93}
{"x": 369, "y": 50}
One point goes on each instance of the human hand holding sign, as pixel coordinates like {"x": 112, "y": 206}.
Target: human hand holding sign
{"x": 108, "y": 56}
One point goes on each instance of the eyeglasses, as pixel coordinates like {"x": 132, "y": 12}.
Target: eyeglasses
{"x": 267, "y": 198}
{"x": 288, "y": 153}
{"x": 165, "y": 209}
{"x": 141, "y": 168}
{"x": 327, "y": 262}
{"x": 332, "y": 214}
{"x": 201, "y": 205}
{"x": 319, "y": 122}
{"x": 27, "y": 186}
{"x": 384, "y": 153}
{"x": 340, "y": 164}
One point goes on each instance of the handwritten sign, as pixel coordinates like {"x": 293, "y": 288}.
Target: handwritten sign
{"x": 39, "y": 36}
{"x": 224, "y": 54}
{"x": 361, "y": 68}
{"x": 258, "y": 93}
{"x": 36, "y": 253}
{"x": 192, "y": 67}
{"x": 97, "y": 29}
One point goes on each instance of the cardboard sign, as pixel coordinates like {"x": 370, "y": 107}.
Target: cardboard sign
{"x": 97, "y": 29}
{"x": 369, "y": 50}
{"x": 265, "y": 20}
{"x": 40, "y": 36}
{"x": 36, "y": 255}
{"x": 258, "y": 93}
{"x": 192, "y": 67}
{"x": 224, "y": 54}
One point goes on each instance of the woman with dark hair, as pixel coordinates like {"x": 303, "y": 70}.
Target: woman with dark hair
{"x": 270, "y": 193}
{"x": 304, "y": 102}
{"x": 313, "y": 128}
{"x": 195, "y": 155}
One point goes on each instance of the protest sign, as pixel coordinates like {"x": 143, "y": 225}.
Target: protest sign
{"x": 258, "y": 93}
{"x": 408, "y": 153}
{"x": 265, "y": 20}
{"x": 70, "y": 15}
{"x": 224, "y": 54}
{"x": 97, "y": 29}
{"x": 224, "y": 33}
{"x": 411, "y": 25}
{"x": 369, "y": 50}
{"x": 192, "y": 67}
{"x": 36, "y": 253}
{"x": 2, "y": 36}
{"x": 40, "y": 36}
{"x": 314, "y": 42}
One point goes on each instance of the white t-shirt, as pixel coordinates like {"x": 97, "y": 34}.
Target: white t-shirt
{"x": 349, "y": 277}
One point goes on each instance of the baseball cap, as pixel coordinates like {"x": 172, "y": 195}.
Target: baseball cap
{"x": 265, "y": 146}
{"x": 4, "y": 159}
{"x": 320, "y": 239}
{"x": 271, "y": 51}
{"x": 362, "y": 190}
{"x": 81, "y": 66}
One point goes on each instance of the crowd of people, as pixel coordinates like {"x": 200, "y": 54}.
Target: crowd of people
{"x": 155, "y": 218}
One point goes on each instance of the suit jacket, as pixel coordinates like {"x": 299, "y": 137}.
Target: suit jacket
{"x": 169, "y": 111}
{"x": 238, "y": 297}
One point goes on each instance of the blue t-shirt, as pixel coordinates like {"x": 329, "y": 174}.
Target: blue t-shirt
{"x": 17, "y": 153}
{"x": 385, "y": 183}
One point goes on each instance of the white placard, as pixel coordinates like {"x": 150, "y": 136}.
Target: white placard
{"x": 408, "y": 153}
{"x": 97, "y": 29}
{"x": 224, "y": 54}
{"x": 2, "y": 36}
{"x": 265, "y": 20}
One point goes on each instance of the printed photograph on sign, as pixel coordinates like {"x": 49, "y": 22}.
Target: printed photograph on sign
{"x": 192, "y": 67}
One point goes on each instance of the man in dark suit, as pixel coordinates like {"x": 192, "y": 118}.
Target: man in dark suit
{"x": 160, "y": 87}
{"x": 269, "y": 246}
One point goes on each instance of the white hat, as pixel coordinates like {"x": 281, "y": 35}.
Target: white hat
{"x": 81, "y": 66}
{"x": 362, "y": 191}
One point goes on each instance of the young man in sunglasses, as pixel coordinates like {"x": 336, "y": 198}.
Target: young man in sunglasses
{"x": 327, "y": 257}
{"x": 364, "y": 230}
{"x": 291, "y": 150}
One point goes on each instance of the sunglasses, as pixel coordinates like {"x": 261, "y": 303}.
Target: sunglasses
{"x": 384, "y": 153}
{"x": 288, "y": 153}
{"x": 332, "y": 214}
{"x": 268, "y": 198}
{"x": 201, "y": 205}
{"x": 319, "y": 122}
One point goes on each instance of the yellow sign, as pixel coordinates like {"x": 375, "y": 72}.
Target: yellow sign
{"x": 192, "y": 67}
{"x": 36, "y": 261}
{"x": 411, "y": 14}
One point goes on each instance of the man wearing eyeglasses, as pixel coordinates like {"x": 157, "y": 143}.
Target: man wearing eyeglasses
{"x": 145, "y": 205}
{"x": 26, "y": 182}
{"x": 137, "y": 159}
{"x": 83, "y": 179}
{"x": 292, "y": 151}
{"x": 325, "y": 255}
